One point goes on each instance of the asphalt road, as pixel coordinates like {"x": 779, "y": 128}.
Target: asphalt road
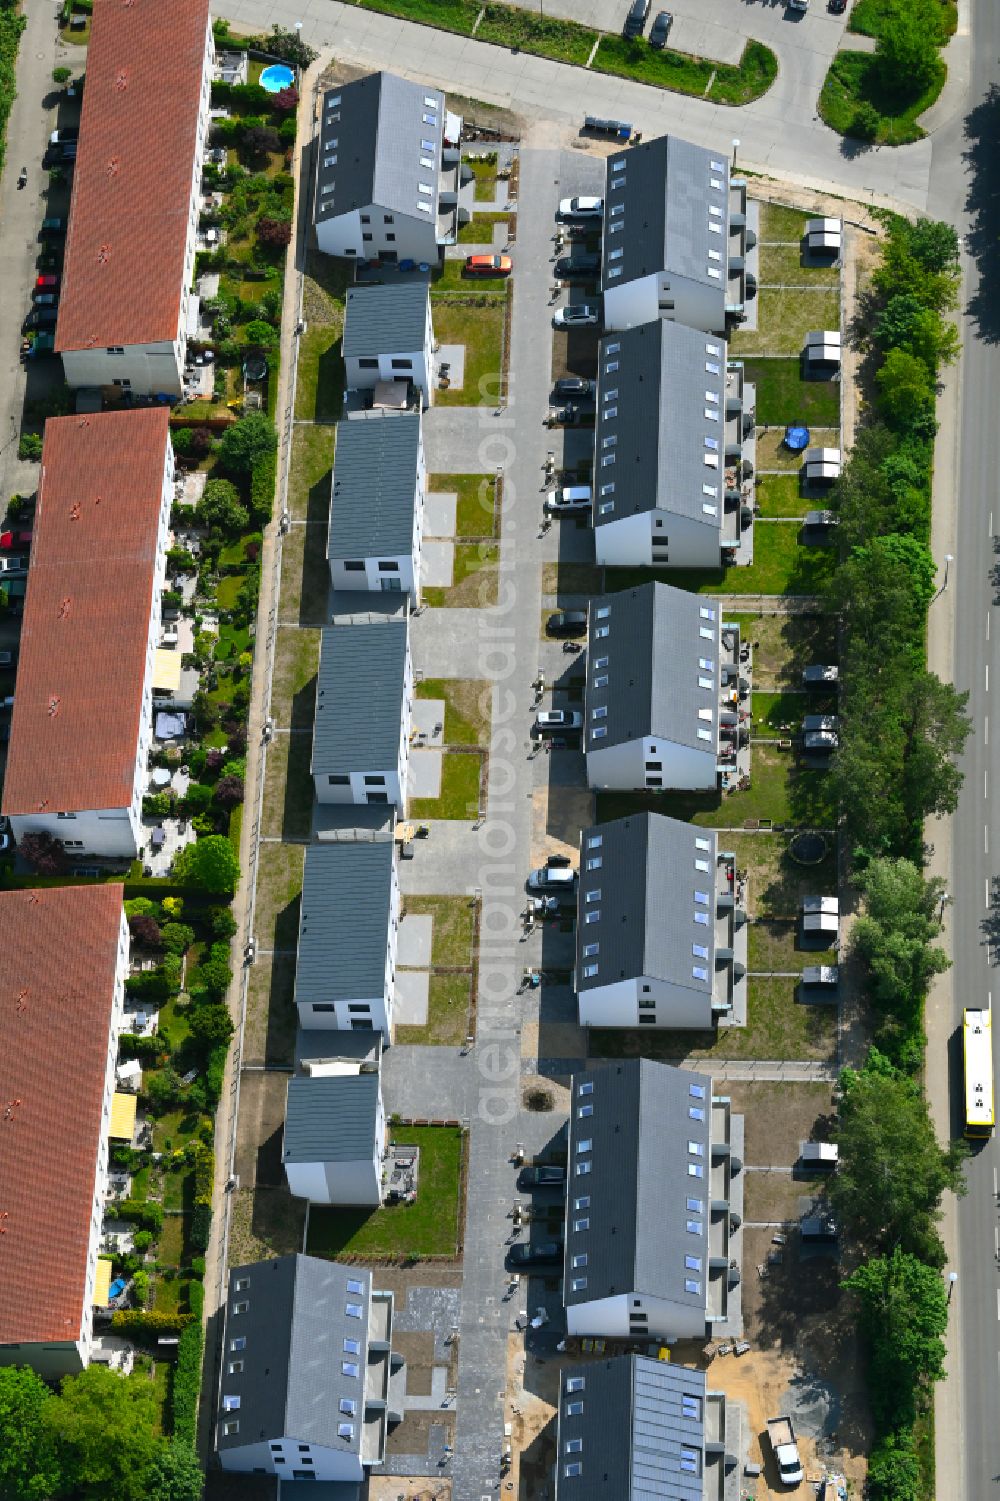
{"x": 968, "y": 198}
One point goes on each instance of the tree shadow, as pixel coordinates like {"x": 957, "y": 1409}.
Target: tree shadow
{"x": 982, "y": 126}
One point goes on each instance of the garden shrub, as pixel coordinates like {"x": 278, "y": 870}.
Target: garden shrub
{"x": 185, "y": 1388}
{"x": 140, "y": 1321}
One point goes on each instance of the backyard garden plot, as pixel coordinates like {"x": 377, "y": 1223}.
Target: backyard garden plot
{"x": 781, "y": 792}
{"x": 782, "y": 564}
{"x": 475, "y": 321}
{"x": 452, "y": 971}
{"x": 784, "y": 644}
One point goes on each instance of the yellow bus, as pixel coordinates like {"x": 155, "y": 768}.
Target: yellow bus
{"x": 977, "y": 1041}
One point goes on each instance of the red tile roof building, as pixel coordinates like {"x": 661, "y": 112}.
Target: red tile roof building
{"x": 136, "y": 187}
{"x": 62, "y": 972}
{"x": 81, "y": 723}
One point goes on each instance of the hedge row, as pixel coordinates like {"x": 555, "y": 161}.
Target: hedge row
{"x": 201, "y": 1226}
{"x": 186, "y": 1385}
{"x": 139, "y": 1321}
{"x": 262, "y": 485}
{"x": 140, "y": 1212}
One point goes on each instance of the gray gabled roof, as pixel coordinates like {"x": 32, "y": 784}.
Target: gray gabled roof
{"x": 294, "y": 1329}
{"x": 374, "y": 487}
{"x": 370, "y": 147}
{"x": 331, "y": 1119}
{"x": 635, "y": 1228}
{"x": 661, "y": 408}
{"x": 664, "y": 191}
{"x": 385, "y": 320}
{"x": 642, "y": 904}
{"x": 360, "y": 688}
{"x": 344, "y": 921}
{"x": 648, "y": 643}
{"x": 641, "y": 1420}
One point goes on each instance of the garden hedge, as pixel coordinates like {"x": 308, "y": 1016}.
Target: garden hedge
{"x": 185, "y": 1388}
{"x": 139, "y": 1321}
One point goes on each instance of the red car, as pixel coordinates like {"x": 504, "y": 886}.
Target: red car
{"x": 9, "y": 540}
{"x": 48, "y": 282}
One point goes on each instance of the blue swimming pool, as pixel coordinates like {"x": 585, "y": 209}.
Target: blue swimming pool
{"x": 276, "y": 77}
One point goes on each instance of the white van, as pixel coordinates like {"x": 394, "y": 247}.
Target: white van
{"x": 569, "y": 500}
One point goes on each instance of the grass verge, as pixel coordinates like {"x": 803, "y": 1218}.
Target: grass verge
{"x": 467, "y": 704}
{"x": 459, "y": 794}
{"x": 853, "y": 83}
{"x": 427, "y": 1227}
{"x": 681, "y": 73}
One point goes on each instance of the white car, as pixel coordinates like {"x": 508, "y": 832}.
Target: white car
{"x": 558, "y": 719}
{"x": 570, "y": 500}
{"x": 575, "y": 315}
{"x": 552, "y": 878}
{"x": 581, "y": 208}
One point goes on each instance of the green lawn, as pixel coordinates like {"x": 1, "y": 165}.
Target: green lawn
{"x": 781, "y": 565}
{"x": 293, "y": 684}
{"x": 157, "y": 1375}
{"x": 853, "y": 80}
{"x": 173, "y": 1024}
{"x": 475, "y": 509}
{"x": 684, "y": 74}
{"x": 173, "y": 1239}
{"x": 783, "y": 396}
{"x": 479, "y": 326}
{"x": 778, "y": 495}
{"x": 459, "y": 795}
{"x": 869, "y": 16}
{"x": 227, "y": 589}
{"x": 309, "y": 472}
{"x": 467, "y": 708}
{"x": 428, "y": 1227}
{"x": 784, "y": 318}
{"x": 772, "y": 948}
{"x": 319, "y": 389}
{"x": 779, "y": 222}
{"x": 474, "y": 580}
{"x": 447, "y": 1023}
{"x": 174, "y": 1128}
{"x": 781, "y": 713}
{"x": 479, "y": 229}
{"x": 454, "y": 927}
{"x": 447, "y": 15}
{"x": 776, "y": 882}
{"x": 522, "y": 30}
{"x": 288, "y": 788}
{"x": 777, "y": 1027}
{"x": 779, "y": 791}
{"x": 485, "y": 173}
{"x": 783, "y": 264}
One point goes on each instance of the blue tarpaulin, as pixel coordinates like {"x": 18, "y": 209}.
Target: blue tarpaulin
{"x": 796, "y": 438}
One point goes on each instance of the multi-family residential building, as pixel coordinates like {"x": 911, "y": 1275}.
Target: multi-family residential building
{"x": 377, "y": 504}
{"x": 310, "y": 1382}
{"x": 388, "y": 337}
{"x": 388, "y": 171}
{"x": 125, "y": 299}
{"x": 654, "y": 1204}
{"x": 364, "y": 697}
{"x": 82, "y": 719}
{"x": 334, "y": 1138}
{"x": 662, "y": 704}
{"x": 345, "y": 974}
{"x": 635, "y": 1429}
{"x": 62, "y": 982}
{"x": 674, "y": 451}
{"x": 661, "y": 937}
{"x": 675, "y": 237}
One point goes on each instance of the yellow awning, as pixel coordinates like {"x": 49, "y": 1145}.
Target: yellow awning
{"x": 102, "y": 1282}
{"x": 167, "y": 670}
{"x": 122, "y": 1116}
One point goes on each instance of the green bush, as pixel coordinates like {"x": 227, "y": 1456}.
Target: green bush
{"x": 151, "y": 985}
{"x": 131, "y": 1045}
{"x": 30, "y": 446}
{"x": 140, "y": 1321}
{"x": 185, "y": 1388}
{"x": 141, "y": 1212}
{"x": 201, "y": 1226}
{"x": 204, "y": 1173}
{"x": 196, "y": 1298}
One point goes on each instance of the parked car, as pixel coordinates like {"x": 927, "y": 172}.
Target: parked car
{"x": 571, "y": 500}
{"x": 63, "y": 134}
{"x": 540, "y": 1253}
{"x": 552, "y": 878}
{"x": 581, "y": 208}
{"x": 620, "y": 128}
{"x": 41, "y": 317}
{"x": 576, "y": 315}
{"x": 820, "y": 675}
{"x": 566, "y": 415}
{"x": 660, "y": 29}
{"x": 540, "y": 1177}
{"x": 837, "y": 6}
{"x": 53, "y": 228}
{"x": 638, "y": 12}
{"x": 584, "y": 263}
{"x": 47, "y": 281}
{"x": 567, "y": 623}
{"x": 488, "y": 265}
{"x": 45, "y": 299}
{"x": 558, "y": 719}
{"x": 9, "y": 540}
{"x": 573, "y": 388}
{"x": 14, "y": 563}
{"x": 6, "y": 658}
{"x": 6, "y": 840}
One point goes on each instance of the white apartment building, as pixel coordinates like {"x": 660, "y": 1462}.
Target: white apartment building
{"x": 81, "y": 726}
{"x": 334, "y": 1139}
{"x": 377, "y": 504}
{"x": 133, "y": 224}
{"x": 364, "y": 700}
{"x": 388, "y": 337}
